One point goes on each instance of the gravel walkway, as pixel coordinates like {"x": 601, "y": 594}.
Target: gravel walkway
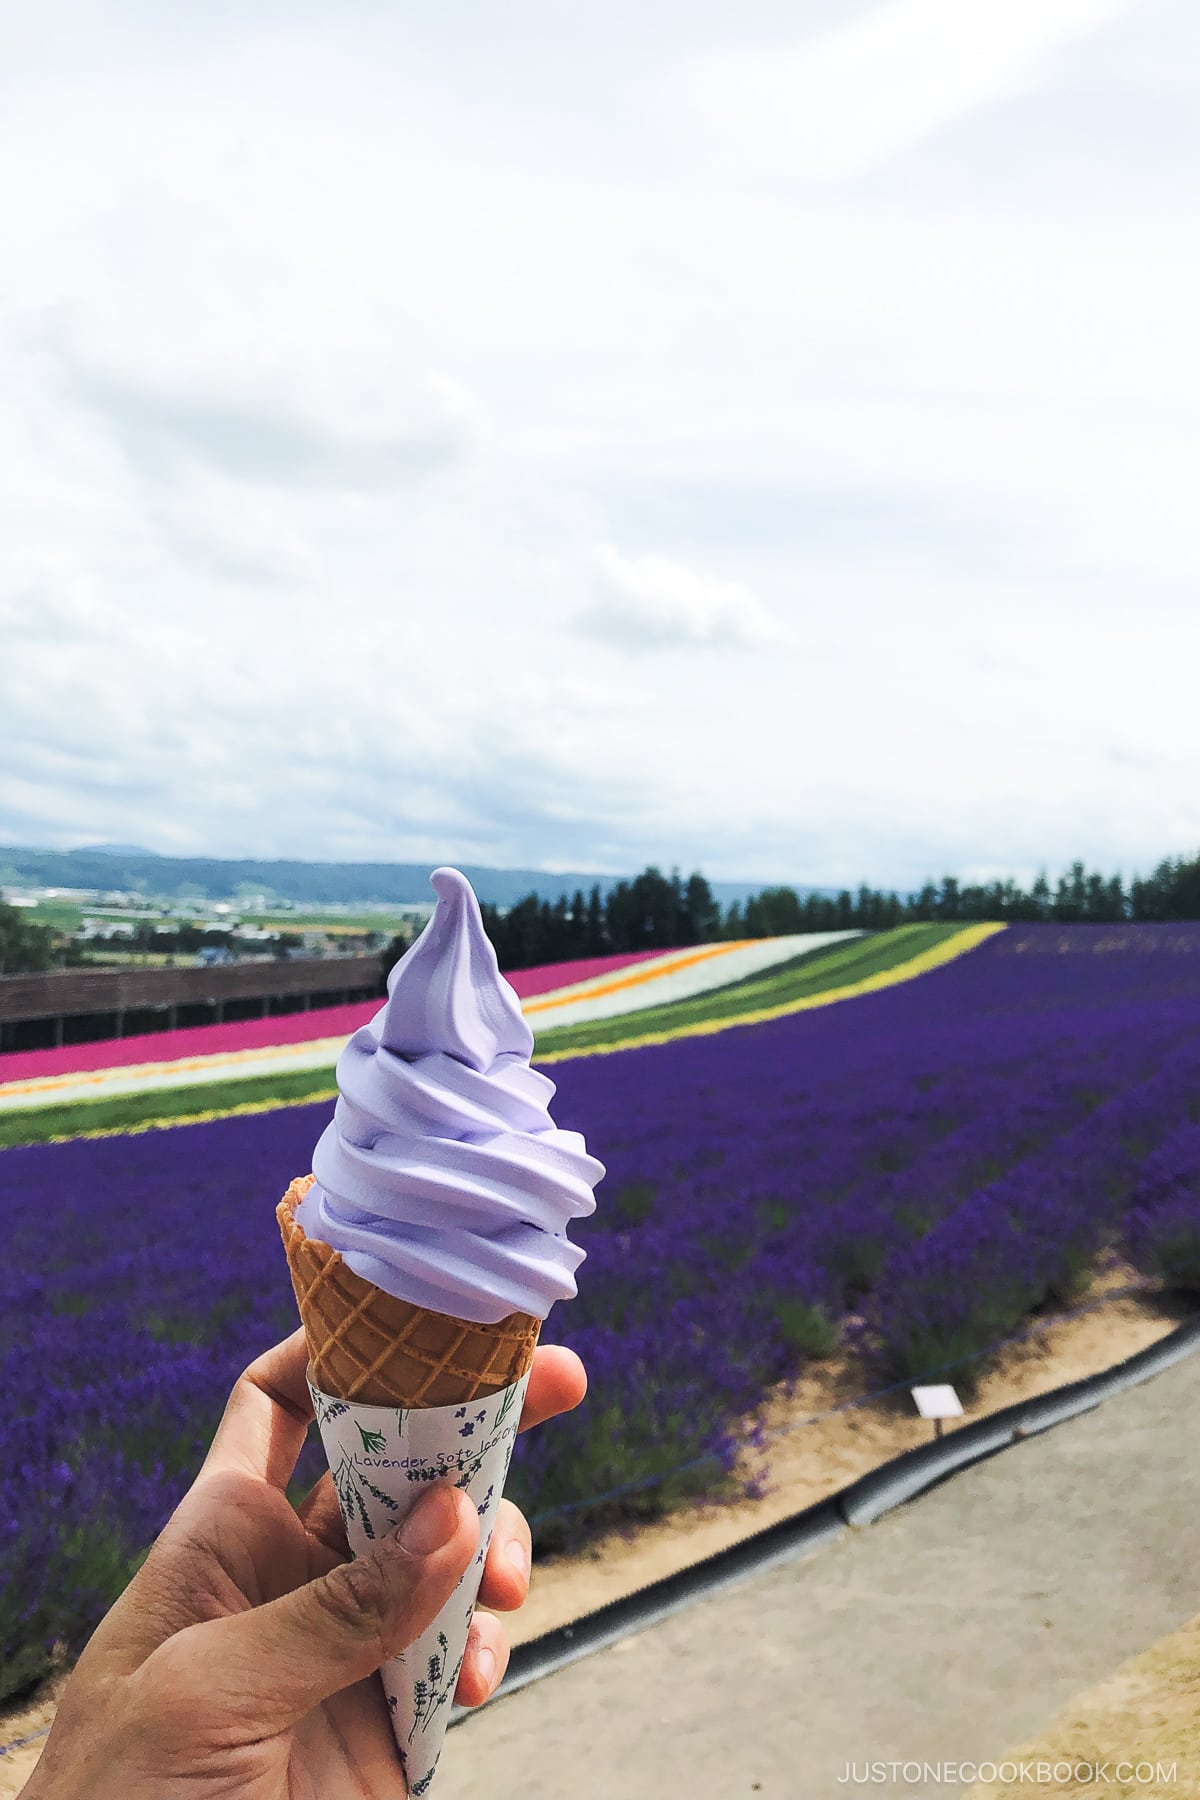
{"x": 948, "y": 1631}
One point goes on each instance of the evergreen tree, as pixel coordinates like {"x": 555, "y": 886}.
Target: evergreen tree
{"x": 704, "y": 915}
{"x": 1070, "y": 901}
{"x": 25, "y": 948}
{"x": 926, "y": 904}
{"x": 388, "y": 958}
{"x": 578, "y": 924}
{"x": 646, "y": 913}
{"x": 817, "y": 913}
{"x": 1171, "y": 892}
{"x": 596, "y": 937}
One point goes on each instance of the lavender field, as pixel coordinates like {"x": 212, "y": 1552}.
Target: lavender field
{"x": 937, "y": 1160}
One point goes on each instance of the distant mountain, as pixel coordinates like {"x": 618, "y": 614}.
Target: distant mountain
{"x": 116, "y": 850}
{"x": 134, "y": 870}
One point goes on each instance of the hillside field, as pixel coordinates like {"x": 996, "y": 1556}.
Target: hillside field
{"x": 912, "y": 1171}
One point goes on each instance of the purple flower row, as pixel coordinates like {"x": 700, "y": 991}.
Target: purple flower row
{"x": 936, "y": 1158}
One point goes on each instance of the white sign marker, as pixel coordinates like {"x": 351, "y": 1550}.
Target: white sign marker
{"x": 938, "y": 1402}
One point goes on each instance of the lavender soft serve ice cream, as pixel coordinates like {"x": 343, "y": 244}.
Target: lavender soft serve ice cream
{"x": 442, "y": 1177}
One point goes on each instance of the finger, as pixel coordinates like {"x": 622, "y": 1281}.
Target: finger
{"x": 261, "y": 1671}
{"x": 557, "y": 1382}
{"x": 505, "y": 1583}
{"x": 485, "y": 1661}
{"x": 270, "y": 1408}
{"x": 321, "y": 1516}
{"x": 267, "y": 1416}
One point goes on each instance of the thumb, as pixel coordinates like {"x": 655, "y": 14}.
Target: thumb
{"x": 275, "y": 1663}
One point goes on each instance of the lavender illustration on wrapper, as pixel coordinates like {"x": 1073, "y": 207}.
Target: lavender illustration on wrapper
{"x": 382, "y": 1461}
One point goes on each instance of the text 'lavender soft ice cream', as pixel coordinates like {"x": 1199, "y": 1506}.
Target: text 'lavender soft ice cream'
{"x": 442, "y": 1177}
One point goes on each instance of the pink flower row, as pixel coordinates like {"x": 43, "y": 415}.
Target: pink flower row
{"x": 258, "y": 1034}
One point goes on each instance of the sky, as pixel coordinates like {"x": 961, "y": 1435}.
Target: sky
{"x": 760, "y": 439}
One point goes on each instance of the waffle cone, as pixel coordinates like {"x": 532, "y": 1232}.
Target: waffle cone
{"x": 368, "y": 1346}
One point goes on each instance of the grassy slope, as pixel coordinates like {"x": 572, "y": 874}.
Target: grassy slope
{"x": 61, "y": 915}
{"x": 804, "y": 978}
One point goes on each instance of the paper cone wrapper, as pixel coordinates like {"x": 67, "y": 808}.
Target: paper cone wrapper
{"x": 382, "y": 1459}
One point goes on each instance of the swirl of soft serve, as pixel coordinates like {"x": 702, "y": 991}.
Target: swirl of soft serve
{"x": 442, "y": 1177}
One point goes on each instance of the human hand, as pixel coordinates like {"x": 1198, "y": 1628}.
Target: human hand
{"x": 239, "y": 1662}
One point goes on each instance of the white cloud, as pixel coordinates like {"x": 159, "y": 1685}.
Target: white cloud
{"x": 844, "y": 100}
{"x": 654, "y": 603}
{"x": 274, "y": 583}
{"x": 229, "y": 531}
{"x": 257, "y": 424}
{"x": 47, "y": 597}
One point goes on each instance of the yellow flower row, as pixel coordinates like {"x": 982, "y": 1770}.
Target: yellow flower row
{"x": 945, "y": 951}
{"x": 196, "y": 1118}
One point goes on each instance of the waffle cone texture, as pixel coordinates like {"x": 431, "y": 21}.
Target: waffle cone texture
{"x": 368, "y": 1346}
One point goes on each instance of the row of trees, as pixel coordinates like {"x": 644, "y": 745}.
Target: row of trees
{"x": 185, "y": 939}
{"x": 651, "y": 912}
{"x": 659, "y": 912}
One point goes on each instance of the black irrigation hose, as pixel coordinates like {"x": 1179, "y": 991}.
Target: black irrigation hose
{"x": 645, "y": 1482}
{"x": 913, "y": 1471}
{"x": 780, "y": 1543}
{"x": 901, "y": 1479}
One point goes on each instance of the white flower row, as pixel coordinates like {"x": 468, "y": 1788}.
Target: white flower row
{"x": 676, "y": 975}
{"x": 681, "y": 975}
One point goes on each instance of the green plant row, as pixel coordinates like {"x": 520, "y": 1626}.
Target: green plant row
{"x": 163, "y": 1106}
{"x": 816, "y": 972}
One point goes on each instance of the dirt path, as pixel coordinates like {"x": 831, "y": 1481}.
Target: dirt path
{"x": 948, "y": 1631}
{"x": 801, "y": 1463}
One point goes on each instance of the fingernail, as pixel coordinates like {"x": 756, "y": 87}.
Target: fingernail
{"x": 485, "y": 1662}
{"x": 518, "y": 1556}
{"x": 431, "y": 1523}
